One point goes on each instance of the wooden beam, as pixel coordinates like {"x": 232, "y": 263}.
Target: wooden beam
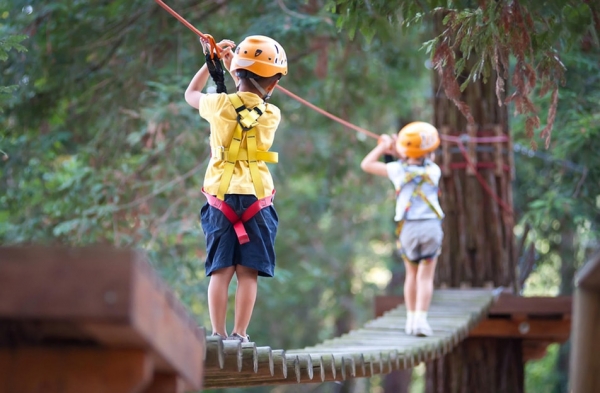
{"x": 508, "y": 303}
{"x": 96, "y": 295}
{"x": 53, "y": 283}
{"x": 533, "y": 329}
{"x": 75, "y": 370}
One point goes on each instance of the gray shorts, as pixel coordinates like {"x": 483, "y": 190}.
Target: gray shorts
{"x": 421, "y": 239}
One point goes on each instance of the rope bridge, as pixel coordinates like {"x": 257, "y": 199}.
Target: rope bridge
{"x": 380, "y": 347}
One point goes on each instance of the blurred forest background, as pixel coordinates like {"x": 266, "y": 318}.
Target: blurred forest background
{"x": 97, "y": 145}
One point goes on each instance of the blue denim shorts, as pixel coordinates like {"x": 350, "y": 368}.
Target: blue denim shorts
{"x": 222, "y": 246}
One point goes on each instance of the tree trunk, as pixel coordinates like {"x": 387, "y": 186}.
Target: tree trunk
{"x": 478, "y": 248}
{"x": 478, "y": 365}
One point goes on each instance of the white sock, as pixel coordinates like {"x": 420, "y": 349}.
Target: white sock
{"x": 410, "y": 315}
{"x": 420, "y": 315}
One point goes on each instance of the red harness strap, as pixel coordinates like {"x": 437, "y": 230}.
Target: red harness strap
{"x": 238, "y": 221}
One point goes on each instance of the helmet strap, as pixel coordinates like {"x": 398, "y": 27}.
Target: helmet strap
{"x": 265, "y": 95}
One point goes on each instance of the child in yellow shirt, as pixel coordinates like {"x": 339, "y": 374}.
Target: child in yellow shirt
{"x": 239, "y": 220}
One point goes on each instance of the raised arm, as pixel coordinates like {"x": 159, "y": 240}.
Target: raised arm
{"x": 193, "y": 93}
{"x": 371, "y": 163}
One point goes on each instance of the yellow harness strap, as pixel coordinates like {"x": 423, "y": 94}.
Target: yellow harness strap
{"x": 247, "y": 120}
{"x": 222, "y": 154}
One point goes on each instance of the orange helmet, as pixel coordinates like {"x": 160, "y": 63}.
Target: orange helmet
{"x": 417, "y": 139}
{"x": 260, "y": 55}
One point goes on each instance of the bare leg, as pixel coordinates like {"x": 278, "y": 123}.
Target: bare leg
{"x": 410, "y": 285}
{"x": 217, "y": 299}
{"x": 245, "y": 297}
{"x": 410, "y": 294}
{"x": 425, "y": 273}
{"x": 424, "y": 293}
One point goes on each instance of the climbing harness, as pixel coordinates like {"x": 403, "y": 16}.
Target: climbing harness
{"x": 245, "y": 129}
{"x": 416, "y": 193}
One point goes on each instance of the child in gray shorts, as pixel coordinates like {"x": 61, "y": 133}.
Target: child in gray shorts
{"x": 418, "y": 213}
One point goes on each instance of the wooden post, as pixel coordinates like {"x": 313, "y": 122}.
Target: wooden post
{"x": 56, "y": 370}
{"x": 585, "y": 361}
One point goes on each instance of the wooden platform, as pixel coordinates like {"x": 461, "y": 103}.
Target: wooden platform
{"x": 92, "y": 320}
{"x": 539, "y": 321}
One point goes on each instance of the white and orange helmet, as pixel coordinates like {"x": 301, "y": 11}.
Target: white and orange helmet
{"x": 260, "y": 55}
{"x": 417, "y": 139}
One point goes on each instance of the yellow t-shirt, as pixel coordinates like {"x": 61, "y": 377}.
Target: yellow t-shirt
{"x": 220, "y": 113}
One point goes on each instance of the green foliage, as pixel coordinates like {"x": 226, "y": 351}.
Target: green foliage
{"x": 557, "y": 190}
{"x": 10, "y": 42}
{"x": 539, "y": 376}
{"x": 475, "y": 41}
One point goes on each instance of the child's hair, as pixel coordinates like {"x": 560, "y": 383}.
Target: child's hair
{"x": 261, "y": 80}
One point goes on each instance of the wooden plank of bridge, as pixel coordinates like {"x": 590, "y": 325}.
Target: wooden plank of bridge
{"x": 585, "y": 361}
{"x": 60, "y": 298}
{"x": 505, "y": 304}
{"x": 380, "y": 347}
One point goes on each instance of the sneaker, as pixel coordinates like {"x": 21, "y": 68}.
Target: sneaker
{"x": 218, "y": 335}
{"x": 409, "y": 326}
{"x": 235, "y": 336}
{"x": 421, "y": 328}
